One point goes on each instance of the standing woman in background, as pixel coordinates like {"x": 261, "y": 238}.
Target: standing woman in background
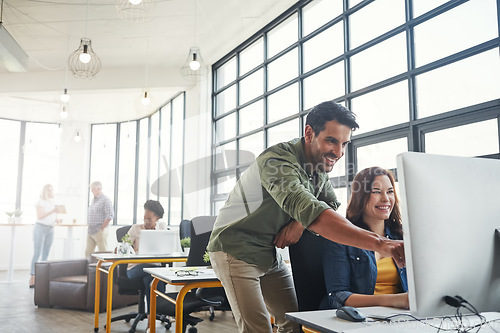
{"x": 43, "y": 231}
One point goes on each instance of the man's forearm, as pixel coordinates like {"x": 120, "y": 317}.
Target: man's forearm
{"x": 105, "y": 224}
{"x": 335, "y": 227}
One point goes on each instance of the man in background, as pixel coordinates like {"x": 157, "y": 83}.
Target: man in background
{"x": 99, "y": 215}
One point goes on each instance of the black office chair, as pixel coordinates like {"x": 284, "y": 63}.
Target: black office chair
{"x": 306, "y": 258}
{"x": 184, "y": 230}
{"x": 202, "y": 298}
{"x": 128, "y": 286}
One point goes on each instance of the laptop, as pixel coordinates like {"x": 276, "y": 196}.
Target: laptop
{"x": 159, "y": 242}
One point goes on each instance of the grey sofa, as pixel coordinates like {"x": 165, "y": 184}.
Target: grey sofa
{"x": 71, "y": 284}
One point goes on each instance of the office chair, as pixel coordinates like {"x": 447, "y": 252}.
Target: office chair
{"x": 184, "y": 230}
{"x": 128, "y": 286}
{"x": 306, "y": 258}
{"x": 202, "y": 298}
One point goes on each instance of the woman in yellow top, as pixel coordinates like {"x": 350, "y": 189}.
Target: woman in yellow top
{"x": 357, "y": 277}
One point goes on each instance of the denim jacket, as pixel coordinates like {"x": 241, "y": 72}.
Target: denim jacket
{"x": 350, "y": 270}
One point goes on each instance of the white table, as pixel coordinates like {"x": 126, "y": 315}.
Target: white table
{"x": 325, "y": 321}
{"x": 206, "y": 278}
{"x": 69, "y": 241}
{"x": 13, "y": 227}
{"x": 115, "y": 260}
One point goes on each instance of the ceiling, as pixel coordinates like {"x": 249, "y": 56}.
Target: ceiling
{"x": 134, "y": 56}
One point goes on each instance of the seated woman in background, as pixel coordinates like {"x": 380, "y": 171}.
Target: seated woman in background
{"x": 357, "y": 277}
{"x": 153, "y": 211}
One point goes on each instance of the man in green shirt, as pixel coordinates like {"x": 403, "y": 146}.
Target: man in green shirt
{"x": 284, "y": 191}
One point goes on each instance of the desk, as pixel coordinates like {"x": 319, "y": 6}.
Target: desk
{"x": 117, "y": 259}
{"x": 206, "y": 278}
{"x": 325, "y": 321}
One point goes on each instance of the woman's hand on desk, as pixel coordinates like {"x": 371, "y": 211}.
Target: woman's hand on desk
{"x": 399, "y": 301}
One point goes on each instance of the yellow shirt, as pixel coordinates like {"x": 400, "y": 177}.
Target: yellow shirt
{"x": 388, "y": 281}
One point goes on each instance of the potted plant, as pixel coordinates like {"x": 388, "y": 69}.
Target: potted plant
{"x": 125, "y": 246}
{"x": 186, "y": 244}
{"x": 14, "y": 217}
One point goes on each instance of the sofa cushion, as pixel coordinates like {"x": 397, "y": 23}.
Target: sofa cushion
{"x": 68, "y": 294}
{"x": 72, "y": 279}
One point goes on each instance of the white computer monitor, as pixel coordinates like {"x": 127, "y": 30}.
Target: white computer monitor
{"x": 450, "y": 209}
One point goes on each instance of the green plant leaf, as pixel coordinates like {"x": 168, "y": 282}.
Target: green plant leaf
{"x": 206, "y": 257}
{"x": 186, "y": 242}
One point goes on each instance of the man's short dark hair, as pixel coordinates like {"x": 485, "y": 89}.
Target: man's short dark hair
{"x": 327, "y": 111}
{"x": 155, "y": 207}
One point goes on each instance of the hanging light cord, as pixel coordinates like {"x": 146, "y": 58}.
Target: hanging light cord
{"x": 86, "y": 17}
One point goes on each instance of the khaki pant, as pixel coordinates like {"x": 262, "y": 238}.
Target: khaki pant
{"x": 254, "y": 293}
{"x": 100, "y": 239}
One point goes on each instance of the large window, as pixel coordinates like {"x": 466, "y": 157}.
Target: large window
{"x": 126, "y": 172}
{"x": 136, "y": 160}
{"x": 30, "y": 153}
{"x": 420, "y": 75}
{"x": 103, "y": 157}
{"x": 40, "y": 166}
{"x": 10, "y": 134}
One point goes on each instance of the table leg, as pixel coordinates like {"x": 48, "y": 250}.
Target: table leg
{"x": 179, "y": 307}
{"x": 97, "y": 295}
{"x": 109, "y": 303}
{"x": 10, "y": 274}
{"x": 152, "y": 306}
{"x": 68, "y": 243}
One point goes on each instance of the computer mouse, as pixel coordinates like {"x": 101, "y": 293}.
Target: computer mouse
{"x": 349, "y": 313}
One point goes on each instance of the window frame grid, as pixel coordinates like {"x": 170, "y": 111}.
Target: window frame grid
{"x": 413, "y": 129}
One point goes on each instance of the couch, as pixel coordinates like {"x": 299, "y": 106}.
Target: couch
{"x": 71, "y": 284}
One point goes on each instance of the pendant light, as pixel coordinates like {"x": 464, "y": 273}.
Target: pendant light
{"x": 145, "y": 97}
{"x": 77, "y": 137}
{"x": 135, "y": 11}
{"x": 84, "y": 62}
{"x": 145, "y": 100}
{"x": 194, "y": 68}
{"x": 65, "y": 96}
{"x": 63, "y": 114}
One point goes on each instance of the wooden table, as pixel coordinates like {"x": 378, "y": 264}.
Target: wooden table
{"x": 117, "y": 259}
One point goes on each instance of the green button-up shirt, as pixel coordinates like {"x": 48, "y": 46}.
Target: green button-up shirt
{"x": 277, "y": 188}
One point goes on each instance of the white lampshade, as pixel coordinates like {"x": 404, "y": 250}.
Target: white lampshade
{"x": 145, "y": 100}
{"x": 194, "y": 68}
{"x": 63, "y": 114}
{"x": 65, "y": 96}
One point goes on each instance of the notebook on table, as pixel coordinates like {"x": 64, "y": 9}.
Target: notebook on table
{"x": 159, "y": 242}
